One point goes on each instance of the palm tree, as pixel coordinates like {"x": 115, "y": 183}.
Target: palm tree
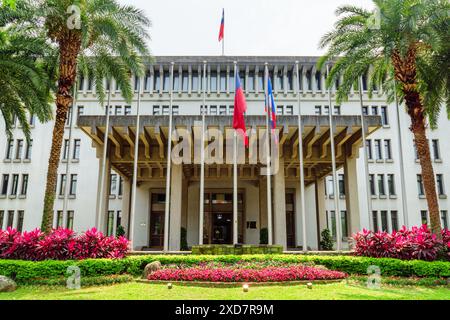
{"x": 97, "y": 38}
{"x": 406, "y": 45}
{"x": 24, "y": 82}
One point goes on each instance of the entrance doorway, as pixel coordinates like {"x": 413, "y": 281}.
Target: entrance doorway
{"x": 158, "y": 201}
{"x": 290, "y": 220}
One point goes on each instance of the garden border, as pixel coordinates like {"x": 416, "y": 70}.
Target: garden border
{"x": 238, "y": 284}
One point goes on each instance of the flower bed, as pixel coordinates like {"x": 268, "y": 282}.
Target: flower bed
{"x": 61, "y": 244}
{"x": 241, "y": 273}
{"x": 417, "y": 243}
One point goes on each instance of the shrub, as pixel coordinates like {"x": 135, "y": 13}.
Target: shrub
{"x": 417, "y": 243}
{"x": 327, "y": 241}
{"x": 183, "y": 240}
{"x": 238, "y": 274}
{"x": 264, "y": 236}
{"x": 60, "y": 244}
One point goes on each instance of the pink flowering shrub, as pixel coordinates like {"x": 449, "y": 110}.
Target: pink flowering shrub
{"x": 238, "y": 274}
{"x": 417, "y": 243}
{"x": 60, "y": 244}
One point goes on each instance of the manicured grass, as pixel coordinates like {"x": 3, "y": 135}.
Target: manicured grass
{"x": 141, "y": 291}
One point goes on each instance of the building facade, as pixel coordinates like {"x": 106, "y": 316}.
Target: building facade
{"x": 389, "y": 196}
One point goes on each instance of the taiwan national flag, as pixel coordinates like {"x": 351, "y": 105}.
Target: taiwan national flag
{"x": 271, "y": 109}
{"x": 222, "y": 26}
{"x": 240, "y": 107}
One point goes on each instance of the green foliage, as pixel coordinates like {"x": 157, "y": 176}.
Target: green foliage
{"x": 85, "y": 281}
{"x": 183, "y": 240}
{"x": 264, "y": 236}
{"x": 27, "y": 271}
{"x": 326, "y": 242}
{"x": 120, "y": 232}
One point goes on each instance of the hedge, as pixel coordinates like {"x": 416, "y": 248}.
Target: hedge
{"x": 27, "y": 271}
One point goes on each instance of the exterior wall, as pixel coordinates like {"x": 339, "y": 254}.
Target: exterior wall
{"x": 87, "y": 168}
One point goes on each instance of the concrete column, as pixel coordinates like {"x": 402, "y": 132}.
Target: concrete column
{"x": 126, "y": 197}
{"x": 279, "y": 206}
{"x": 351, "y": 195}
{"x": 320, "y": 206}
{"x": 176, "y": 199}
{"x": 304, "y": 81}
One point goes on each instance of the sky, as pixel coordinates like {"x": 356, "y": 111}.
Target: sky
{"x": 252, "y": 27}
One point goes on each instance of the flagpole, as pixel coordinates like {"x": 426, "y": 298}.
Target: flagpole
{"x": 301, "y": 163}
{"x": 269, "y": 187}
{"x": 135, "y": 166}
{"x": 169, "y": 166}
{"x": 235, "y": 172}
{"x": 366, "y": 158}
{"x": 223, "y": 39}
{"x": 333, "y": 163}
{"x": 103, "y": 172}
{"x": 202, "y": 162}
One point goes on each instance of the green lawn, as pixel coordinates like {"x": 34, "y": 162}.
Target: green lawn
{"x": 140, "y": 291}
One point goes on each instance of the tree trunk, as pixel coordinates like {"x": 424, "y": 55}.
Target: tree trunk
{"x": 69, "y": 49}
{"x": 405, "y": 73}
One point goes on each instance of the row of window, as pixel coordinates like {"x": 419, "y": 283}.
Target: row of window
{"x": 22, "y": 149}
{"x": 377, "y": 149}
{"x": 381, "y": 184}
{"x": 72, "y": 185}
{"x": 13, "y": 181}
{"x": 325, "y": 110}
{"x": 331, "y": 223}
{"x": 75, "y": 151}
{"x": 439, "y": 184}
{"x": 12, "y": 219}
{"x": 111, "y": 227}
{"x": 115, "y": 185}
{"x": 31, "y": 120}
{"x": 377, "y": 111}
{"x": 59, "y": 219}
{"x": 381, "y": 219}
{"x": 425, "y": 218}
{"x": 329, "y": 186}
{"x": 435, "y": 150}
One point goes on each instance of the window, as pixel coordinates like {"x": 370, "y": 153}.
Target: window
{"x": 15, "y": 184}
{"x": 374, "y": 110}
{"x": 81, "y": 83}
{"x": 156, "y": 111}
{"x": 384, "y": 116}
{"x": 28, "y": 150}
{"x": 73, "y": 184}
{"x": 147, "y": 81}
{"x": 120, "y": 186}
{"x": 289, "y": 110}
{"x": 166, "y": 81}
{"x": 185, "y": 81}
{"x": 69, "y": 223}
{"x": 231, "y": 110}
{"x": 80, "y": 111}
{"x": 416, "y": 154}
{"x": 318, "y": 110}
{"x": 127, "y": 110}
{"x": 372, "y": 184}
{"x": 381, "y": 188}
{"x": 251, "y": 82}
{"x": 66, "y": 149}
{"x": 440, "y": 184}
{"x": 76, "y": 149}
{"x": 110, "y": 223}
{"x": 213, "y": 81}
{"x": 62, "y": 184}
{"x": 203, "y": 109}
{"x": 19, "y": 149}
{"x": 119, "y": 219}
{"x": 195, "y": 86}
{"x": 260, "y": 81}
{"x": 420, "y": 185}
{"x": 280, "y": 80}
{"x": 175, "y": 110}
{"x": 318, "y": 82}
{"x": 165, "y": 110}
{"x": 156, "y": 81}
{"x": 176, "y": 81}
{"x": 344, "y": 228}
{"x": 384, "y": 220}
{"x": 369, "y": 149}
{"x": 387, "y": 149}
{"x": 375, "y": 220}
{"x": 289, "y": 86}
{"x": 10, "y": 221}
{"x": 243, "y": 82}
{"x": 341, "y": 185}
{"x": 279, "y": 110}
{"x": 32, "y": 120}
{"x": 365, "y": 111}
{"x": 69, "y": 117}
{"x": 89, "y": 86}
{"x": 436, "y": 151}
{"x": 113, "y": 184}
{"x": 222, "y": 110}
{"x": 9, "y": 149}
{"x": 5, "y": 181}
{"x": 378, "y": 152}
{"x": 20, "y": 216}
{"x": 444, "y": 219}
{"x": 24, "y": 188}
{"x": 59, "y": 219}
{"x": 136, "y": 83}
{"x": 394, "y": 220}
{"x": 391, "y": 185}
{"x": 424, "y": 217}
{"x": 213, "y": 110}
{"x": 118, "y": 110}
{"x": 337, "y": 110}
{"x": 2, "y": 218}
{"x": 330, "y": 186}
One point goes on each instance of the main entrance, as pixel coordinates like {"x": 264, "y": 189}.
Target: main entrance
{"x": 218, "y": 221}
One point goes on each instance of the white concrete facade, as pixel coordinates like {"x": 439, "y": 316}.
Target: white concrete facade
{"x": 25, "y": 210}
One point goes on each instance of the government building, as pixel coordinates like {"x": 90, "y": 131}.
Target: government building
{"x": 379, "y": 185}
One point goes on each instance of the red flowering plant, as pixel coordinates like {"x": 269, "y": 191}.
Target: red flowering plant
{"x": 417, "y": 243}
{"x": 235, "y": 273}
{"x": 60, "y": 244}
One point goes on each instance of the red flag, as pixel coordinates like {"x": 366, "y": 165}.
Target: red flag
{"x": 240, "y": 107}
{"x": 222, "y": 26}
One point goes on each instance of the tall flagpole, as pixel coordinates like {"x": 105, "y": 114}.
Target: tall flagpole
{"x": 202, "y": 162}
{"x": 169, "y": 166}
{"x": 235, "y": 172}
{"x": 300, "y": 158}
{"x": 68, "y": 157}
{"x": 223, "y": 40}
{"x": 103, "y": 172}
{"x": 269, "y": 164}
{"x": 402, "y": 172}
{"x": 333, "y": 163}
{"x": 135, "y": 166}
{"x": 366, "y": 158}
